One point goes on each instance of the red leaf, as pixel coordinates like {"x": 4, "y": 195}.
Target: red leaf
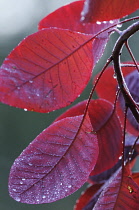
{"x": 86, "y": 196}
{"x": 135, "y": 177}
{"x": 106, "y": 126}
{"x": 100, "y": 10}
{"x": 109, "y": 133}
{"x": 120, "y": 192}
{"x": 68, "y": 17}
{"x": 47, "y": 70}
{"x": 56, "y": 163}
{"x": 107, "y": 88}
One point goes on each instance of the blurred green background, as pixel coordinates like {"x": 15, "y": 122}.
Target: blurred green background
{"x": 18, "y": 128}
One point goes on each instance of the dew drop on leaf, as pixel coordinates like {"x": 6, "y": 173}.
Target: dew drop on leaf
{"x": 120, "y": 157}
{"x": 69, "y": 186}
{"x": 98, "y": 22}
{"x": 119, "y": 25}
{"x": 25, "y": 109}
{"x": 43, "y": 196}
{"x": 17, "y": 199}
{"x": 111, "y": 21}
{"x": 114, "y": 76}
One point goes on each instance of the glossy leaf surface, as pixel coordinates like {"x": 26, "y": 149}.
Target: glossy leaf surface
{"x": 47, "y": 70}
{"x": 100, "y": 10}
{"x": 56, "y": 163}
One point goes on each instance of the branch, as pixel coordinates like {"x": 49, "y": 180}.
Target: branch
{"x": 126, "y": 34}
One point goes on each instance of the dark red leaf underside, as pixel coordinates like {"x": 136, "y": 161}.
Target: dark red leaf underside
{"x": 120, "y": 192}
{"x": 86, "y": 196}
{"x": 107, "y": 88}
{"x": 106, "y": 126}
{"x": 100, "y": 10}
{"x": 55, "y": 164}
{"x": 47, "y": 70}
{"x": 68, "y": 17}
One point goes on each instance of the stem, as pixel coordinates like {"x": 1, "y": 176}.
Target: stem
{"x": 131, "y": 54}
{"x": 116, "y": 60}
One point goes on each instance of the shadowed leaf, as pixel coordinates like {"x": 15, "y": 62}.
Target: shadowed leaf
{"x": 86, "y": 197}
{"x": 56, "y": 163}
{"x": 119, "y": 192}
{"x": 108, "y": 82}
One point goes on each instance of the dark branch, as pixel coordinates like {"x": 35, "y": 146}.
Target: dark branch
{"x": 126, "y": 34}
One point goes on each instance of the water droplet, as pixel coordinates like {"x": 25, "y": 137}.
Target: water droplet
{"x": 30, "y": 81}
{"x": 119, "y": 25}
{"x": 61, "y": 184}
{"x": 21, "y": 182}
{"x": 69, "y": 186}
{"x": 18, "y": 199}
{"x": 114, "y": 76}
{"x": 111, "y": 21}
{"x": 30, "y": 164}
{"x": 23, "y": 179}
{"x": 44, "y": 196}
{"x": 98, "y": 22}
{"x": 82, "y": 18}
{"x": 120, "y": 157}
{"x": 25, "y": 109}
{"x": 14, "y": 190}
{"x": 18, "y": 88}
{"x": 104, "y": 22}
{"x": 38, "y": 94}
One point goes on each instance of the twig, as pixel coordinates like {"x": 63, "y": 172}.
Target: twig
{"x": 117, "y": 67}
{"x": 131, "y": 54}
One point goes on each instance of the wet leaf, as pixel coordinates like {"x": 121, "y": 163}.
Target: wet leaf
{"x": 47, "y": 70}
{"x": 56, "y": 163}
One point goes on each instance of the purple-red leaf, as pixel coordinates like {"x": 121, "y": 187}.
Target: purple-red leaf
{"x": 86, "y": 196}
{"x": 106, "y": 126}
{"x": 47, "y": 70}
{"x": 120, "y": 192}
{"x": 68, "y": 17}
{"x": 108, "y": 129}
{"x": 107, "y": 88}
{"x": 56, "y": 163}
{"x": 100, "y": 10}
